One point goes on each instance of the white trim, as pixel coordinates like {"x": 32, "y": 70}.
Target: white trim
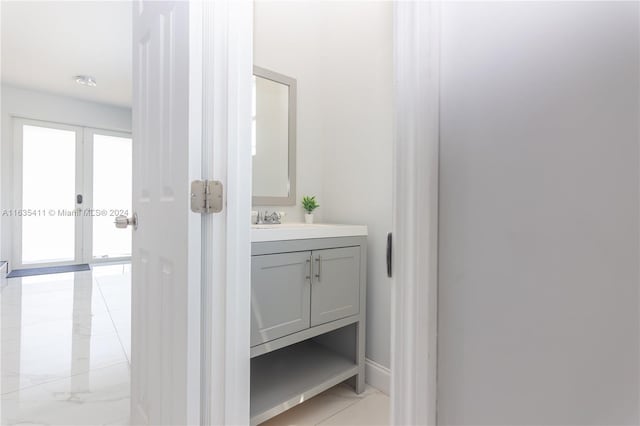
{"x": 196, "y": 236}
{"x": 88, "y": 138}
{"x": 80, "y": 167}
{"x": 87, "y": 194}
{"x": 414, "y": 293}
{"x": 18, "y": 123}
{"x": 638, "y": 141}
{"x": 16, "y": 223}
{"x": 29, "y": 117}
{"x": 378, "y": 376}
{"x": 227, "y": 74}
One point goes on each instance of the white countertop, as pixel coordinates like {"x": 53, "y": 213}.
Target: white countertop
{"x": 303, "y": 231}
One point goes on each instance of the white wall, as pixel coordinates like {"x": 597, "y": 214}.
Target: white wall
{"x": 358, "y": 144}
{"x": 18, "y": 102}
{"x": 340, "y": 54}
{"x": 539, "y": 214}
{"x": 287, "y": 39}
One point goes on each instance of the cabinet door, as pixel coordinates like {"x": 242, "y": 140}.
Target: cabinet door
{"x": 335, "y": 292}
{"x": 280, "y": 295}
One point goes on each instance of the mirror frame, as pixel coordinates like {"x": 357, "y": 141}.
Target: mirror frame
{"x": 290, "y": 200}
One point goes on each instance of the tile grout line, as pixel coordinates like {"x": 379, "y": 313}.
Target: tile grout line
{"x": 104, "y": 300}
{"x": 48, "y": 382}
{"x": 344, "y": 408}
{"x": 70, "y": 375}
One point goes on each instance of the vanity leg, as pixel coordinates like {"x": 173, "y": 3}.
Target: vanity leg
{"x": 360, "y": 383}
{"x": 360, "y": 379}
{"x": 361, "y": 331}
{"x": 357, "y": 382}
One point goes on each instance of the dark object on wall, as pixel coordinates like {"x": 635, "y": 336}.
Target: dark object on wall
{"x": 389, "y": 254}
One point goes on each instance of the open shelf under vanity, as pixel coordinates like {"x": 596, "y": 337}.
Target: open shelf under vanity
{"x": 284, "y": 378}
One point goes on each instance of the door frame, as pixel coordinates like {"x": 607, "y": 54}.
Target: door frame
{"x": 416, "y": 32}
{"x": 227, "y": 70}
{"x": 414, "y": 306}
{"x": 18, "y": 123}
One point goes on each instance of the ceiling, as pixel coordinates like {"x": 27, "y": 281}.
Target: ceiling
{"x": 46, "y": 43}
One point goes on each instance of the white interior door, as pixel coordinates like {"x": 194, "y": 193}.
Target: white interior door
{"x": 539, "y": 195}
{"x": 166, "y": 243}
{"x": 517, "y": 200}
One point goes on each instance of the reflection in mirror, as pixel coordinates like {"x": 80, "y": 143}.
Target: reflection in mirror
{"x": 270, "y": 147}
{"x": 273, "y": 138}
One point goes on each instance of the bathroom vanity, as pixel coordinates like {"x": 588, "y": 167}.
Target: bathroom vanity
{"x": 308, "y": 298}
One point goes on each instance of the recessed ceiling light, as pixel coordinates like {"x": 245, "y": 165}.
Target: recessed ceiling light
{"x": 85, "y": 80}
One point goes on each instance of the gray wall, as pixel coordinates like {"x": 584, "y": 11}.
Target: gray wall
{"x": 539, "y": 214}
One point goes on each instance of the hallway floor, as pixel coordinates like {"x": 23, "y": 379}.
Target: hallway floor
{"x": 66, "y": 346}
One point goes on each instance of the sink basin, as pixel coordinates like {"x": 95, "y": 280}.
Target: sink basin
{"x": 283, "y": 225}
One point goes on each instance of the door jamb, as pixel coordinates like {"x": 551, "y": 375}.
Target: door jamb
{"x": 415, "y": 223}
{"x": 227, "y": 69}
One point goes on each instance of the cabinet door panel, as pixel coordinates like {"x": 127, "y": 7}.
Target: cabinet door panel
{"x": 335, "y": 292}
{"x": 280, "y": 295}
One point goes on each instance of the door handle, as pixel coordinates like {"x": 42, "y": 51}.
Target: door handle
{"x": 319, "y": 260}
{"x": 308, "y": 277}
{"x": 389, "y": 254}
{"x": 122, "y": 221}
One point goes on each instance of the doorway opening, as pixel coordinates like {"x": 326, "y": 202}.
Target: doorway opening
{"x": 71, "y": 182}
{"x": 66, "y": 175}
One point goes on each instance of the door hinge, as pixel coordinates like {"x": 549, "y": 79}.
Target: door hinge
{"x": 206, "y": 196}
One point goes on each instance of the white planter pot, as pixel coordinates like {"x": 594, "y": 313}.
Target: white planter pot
{"x": 308, "y": 218}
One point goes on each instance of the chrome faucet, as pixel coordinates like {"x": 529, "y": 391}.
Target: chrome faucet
{"x": 266, "y": 218}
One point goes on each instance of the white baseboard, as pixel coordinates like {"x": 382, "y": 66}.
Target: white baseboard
{"x": 377, "y": 376}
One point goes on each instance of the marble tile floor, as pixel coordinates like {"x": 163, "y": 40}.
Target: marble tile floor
{"x": 65, "y": 351}
{"x": 338, "y": 406}
{"x": 66, "y": 348}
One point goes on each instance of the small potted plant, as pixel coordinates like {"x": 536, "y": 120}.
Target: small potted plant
{"x": 309, "y": 204}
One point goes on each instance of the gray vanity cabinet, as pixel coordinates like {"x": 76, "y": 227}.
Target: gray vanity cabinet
{"x": 308, "y": 310}
{"x": 335, "y": 292}
{"x": 280, "y": 294}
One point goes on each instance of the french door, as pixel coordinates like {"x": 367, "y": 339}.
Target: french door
{"x": 108, "y": 187}
{"x": 71, "y": 182}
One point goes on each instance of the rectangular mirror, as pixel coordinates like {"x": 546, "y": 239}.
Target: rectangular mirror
{"x": 273, "y": 141}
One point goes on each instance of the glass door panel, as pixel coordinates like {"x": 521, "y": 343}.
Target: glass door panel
{"x": 112, "y": 185}
{"x": 48, "y": 195}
